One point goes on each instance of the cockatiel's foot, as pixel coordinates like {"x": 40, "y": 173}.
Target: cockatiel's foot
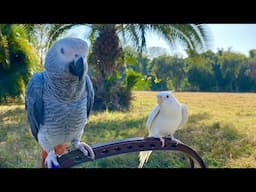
{"x": 51, "y": 160}
{"x": 162, "y": 141}
{"x": 85, "y": 148}
{"x": 176, "y": 140}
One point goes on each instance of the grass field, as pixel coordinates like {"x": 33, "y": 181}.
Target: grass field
{"x": 221, "y": 128}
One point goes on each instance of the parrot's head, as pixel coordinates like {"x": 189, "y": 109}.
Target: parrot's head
{"x": 67, "y": 59}
{"x": 166, "y": 98}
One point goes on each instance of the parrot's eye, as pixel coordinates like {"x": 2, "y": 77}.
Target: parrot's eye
{"x": 62, "y": 50}
{"x": 18, "y": 57}
{"x": 167, "y": 96}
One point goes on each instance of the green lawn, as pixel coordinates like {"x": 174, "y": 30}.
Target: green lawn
{"x": 221, "y": 128}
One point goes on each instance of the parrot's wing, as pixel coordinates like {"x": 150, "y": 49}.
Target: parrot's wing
{"x": 34, "y": 102}
{"x": 184, "y": 113}
{"x": 90, "y": 94}
{"x": 152, "y": 116}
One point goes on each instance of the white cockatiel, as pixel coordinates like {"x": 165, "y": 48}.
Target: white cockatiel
{"x": 166, "y": 117}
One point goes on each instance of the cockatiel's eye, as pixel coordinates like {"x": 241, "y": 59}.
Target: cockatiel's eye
{"x": 62, "y": 50}
{"x": 167, "y": 96}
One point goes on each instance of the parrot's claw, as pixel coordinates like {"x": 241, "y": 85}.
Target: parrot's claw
{"x": 51, "y": 160}
{"x": 85, "y": 148}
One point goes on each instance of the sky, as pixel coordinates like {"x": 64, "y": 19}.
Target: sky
{"x": 239, "y": 37}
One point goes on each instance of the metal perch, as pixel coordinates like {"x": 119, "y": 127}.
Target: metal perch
{"x": 129, "y": 145}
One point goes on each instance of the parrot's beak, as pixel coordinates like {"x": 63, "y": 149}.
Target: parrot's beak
{"x": 76, "y": 67}
{"x": 159, "y": 99}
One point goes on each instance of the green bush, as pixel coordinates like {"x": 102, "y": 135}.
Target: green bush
{"x": 136, "y": 81}
{"x": 18, "y": 61}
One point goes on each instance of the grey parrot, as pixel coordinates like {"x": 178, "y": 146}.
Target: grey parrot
{"x": 166, "y": 117}
{"x": 58, "y": 100}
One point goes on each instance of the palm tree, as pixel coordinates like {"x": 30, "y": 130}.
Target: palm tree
{"x": 106, "y": 61}
{"x": 107, "y": 55}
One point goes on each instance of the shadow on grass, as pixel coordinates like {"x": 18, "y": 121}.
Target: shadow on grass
{"x": 12, "y": 121}
{"x": 109, "y": 130}
{"x": 198, "y": 117}
{"x": 18, "y": 148}
{"x": 216, "y": 143}
{"x": 11, "y": 114}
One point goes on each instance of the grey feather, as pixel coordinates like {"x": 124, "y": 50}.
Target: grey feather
{"x": 34, "y": 103}
{"x": 90, "y": 95}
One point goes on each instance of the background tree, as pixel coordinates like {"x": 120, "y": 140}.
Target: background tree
{"x": 200, "y": 73}
{"x": 231, "y": 64}
{"x": 136, "y": 69}
{"x": 252, "y": 53}
{"x": 18, "y": 61}
{"x": 107, "y": 58}
{"x": 190, "y": 36}
{"x": 247, "y": 73}
{"x": 168, "y": 72}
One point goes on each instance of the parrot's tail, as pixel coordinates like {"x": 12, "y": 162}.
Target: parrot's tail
{"x": 144, "y": 155}
{"x": 59, "y": 149}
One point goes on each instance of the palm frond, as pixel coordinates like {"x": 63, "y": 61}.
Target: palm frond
{"x": 165, "y": 32}
{"x": 206, "y": 35}
{"x": 55, "y": 31}
{"x": 132, "y": 35}
{"x": 142, "y": 30}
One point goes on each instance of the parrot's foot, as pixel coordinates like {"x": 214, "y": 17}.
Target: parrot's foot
{"x": 85, "y": 148}
{"x": 51, "y": 160}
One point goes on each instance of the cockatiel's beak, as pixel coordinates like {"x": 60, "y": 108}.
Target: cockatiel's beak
{"x": 76, "y": 67}
{"x": 159, "y": 99}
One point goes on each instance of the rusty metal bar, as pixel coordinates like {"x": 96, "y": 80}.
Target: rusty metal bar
{"x": 128, "y": 145}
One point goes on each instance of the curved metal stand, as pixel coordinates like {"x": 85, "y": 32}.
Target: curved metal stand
{"x": 129, "y": 145}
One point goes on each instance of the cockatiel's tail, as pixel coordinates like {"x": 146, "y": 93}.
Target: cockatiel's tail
{"x": 144, "y": 156}
{"x": 59, "y": 99}
{"x": 166, "y": 117}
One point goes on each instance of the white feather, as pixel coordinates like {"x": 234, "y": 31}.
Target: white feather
{"x": 152, "y": 116}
